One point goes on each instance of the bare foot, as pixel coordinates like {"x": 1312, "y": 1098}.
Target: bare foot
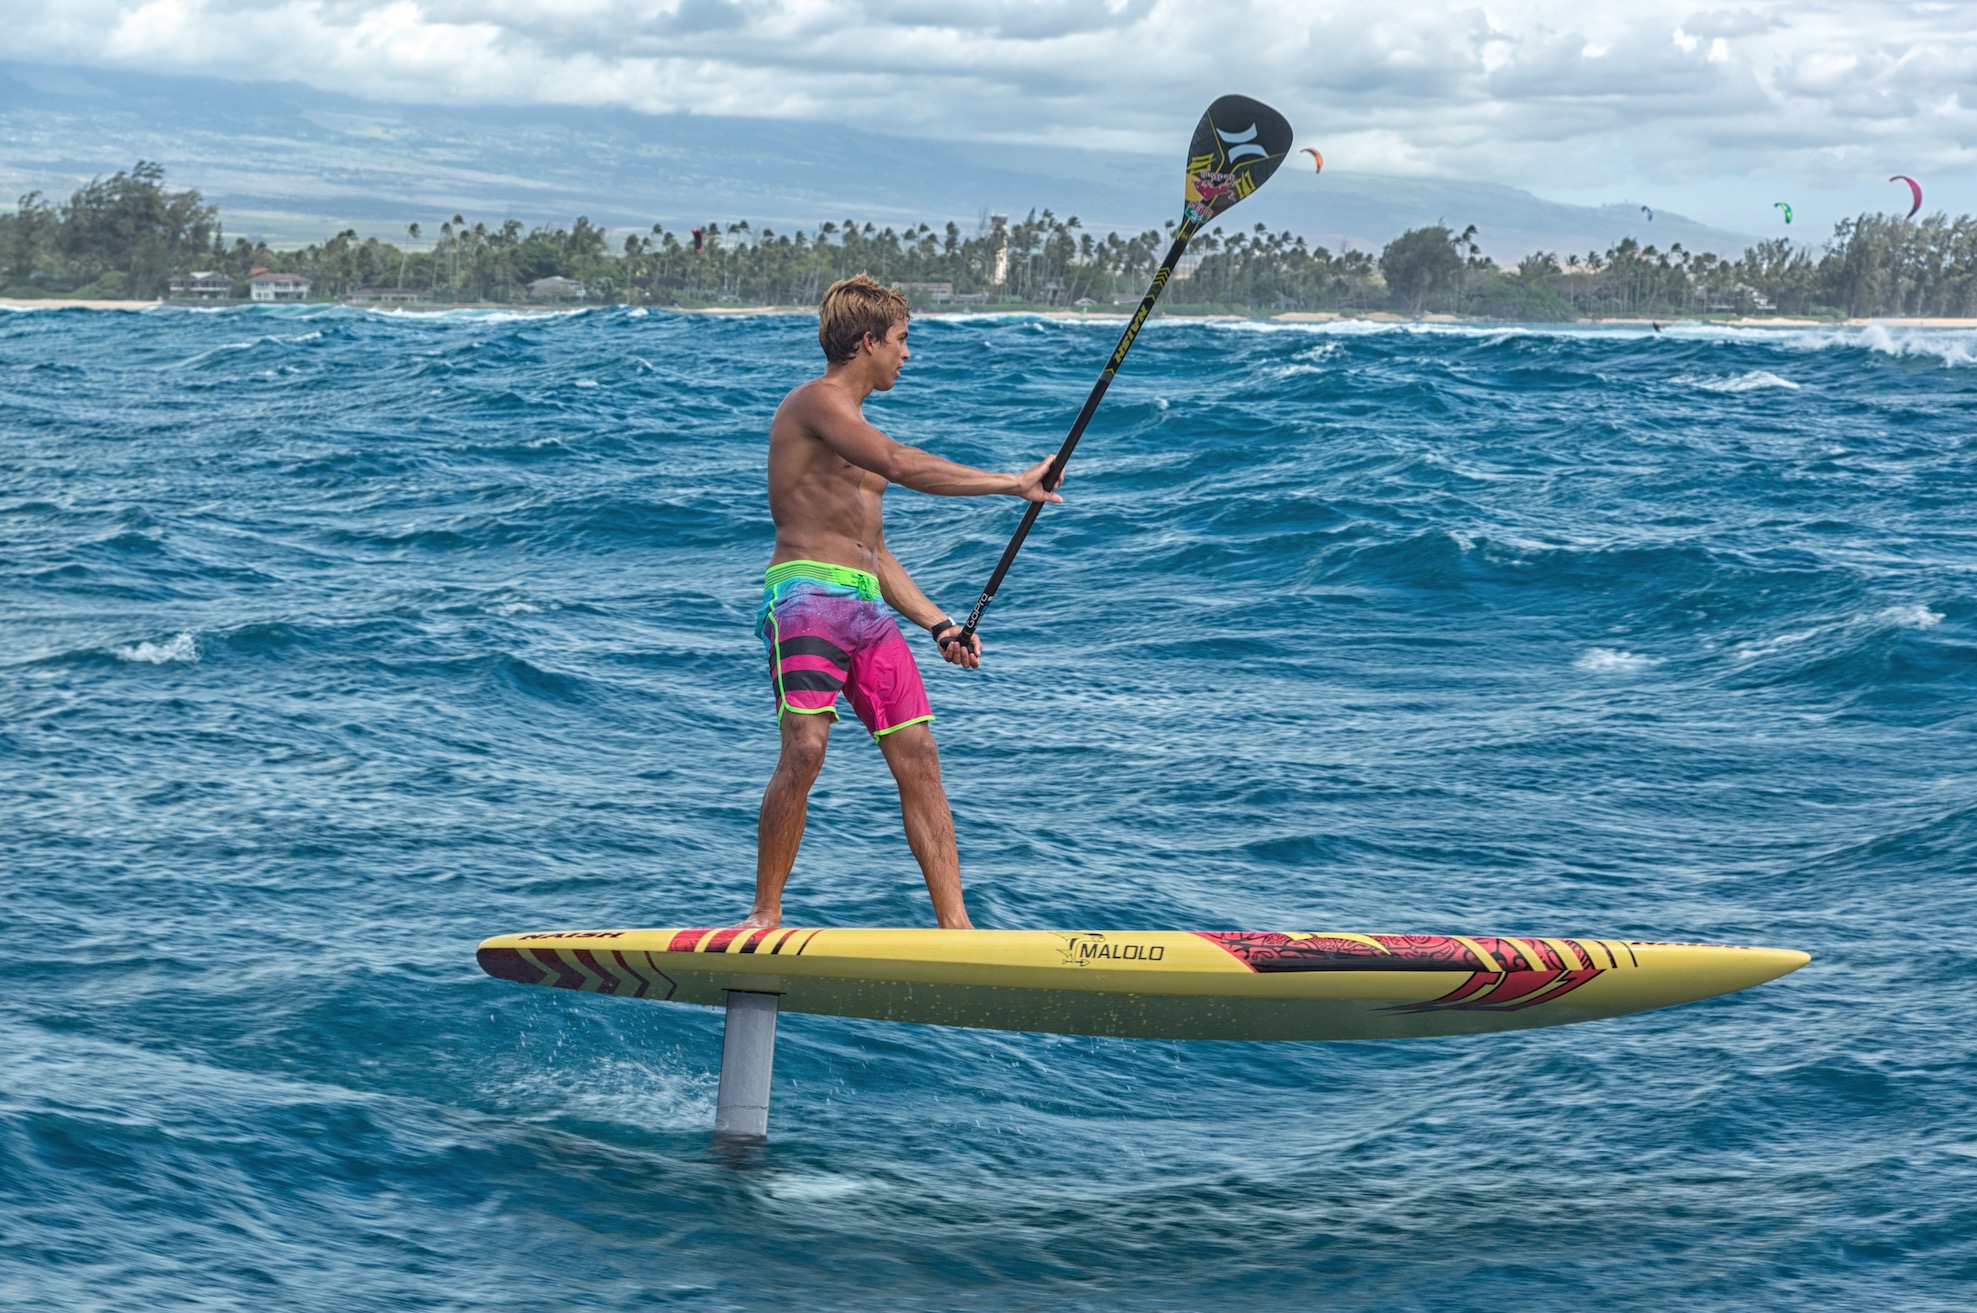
{"x": 760, "y": 921}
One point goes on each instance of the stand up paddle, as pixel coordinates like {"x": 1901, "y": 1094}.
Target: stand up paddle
{"x": 1237, "y": 146}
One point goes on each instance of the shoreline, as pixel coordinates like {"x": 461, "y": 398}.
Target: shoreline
{"x": 1109, "y": 313}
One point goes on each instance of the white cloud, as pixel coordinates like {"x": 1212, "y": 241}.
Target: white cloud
{"x": 1659, "y": 91}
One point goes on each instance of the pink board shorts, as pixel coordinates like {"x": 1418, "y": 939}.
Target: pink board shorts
{"x": 829, "y": 631}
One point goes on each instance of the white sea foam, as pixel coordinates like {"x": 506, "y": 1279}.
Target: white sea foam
{"x": 1916, "y": 615}
{"x": 1777, "y": 643}
{"x": 313, "y": 335}
{"x": 588, "y": 383}
{"x": 179, "y": 647}
{"x": 615, "y": 1090}
{"x": 1310, "y": 361}
{"x": 814, "y": 1187}
{"x": 1755, "y": 380}
{"x": 216, "y": 350}
{"x": 1951, "y": 346}
{"x": 1612, "y": 661}
{"x": 1909, "y": 615}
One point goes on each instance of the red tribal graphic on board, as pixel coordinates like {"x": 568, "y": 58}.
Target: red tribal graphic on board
{"x": 1504, "y": 974}
{"x": 630, "y": 972}
{"x": 592, "y": 970}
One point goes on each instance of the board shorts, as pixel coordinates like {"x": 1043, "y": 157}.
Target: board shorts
{"x": 828, "y": 631}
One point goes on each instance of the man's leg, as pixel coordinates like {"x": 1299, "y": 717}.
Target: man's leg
{"x": 785, "y": 804}
{"x": 915, "y": 763}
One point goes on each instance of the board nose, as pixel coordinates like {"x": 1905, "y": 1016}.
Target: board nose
{"x": 1775, "y": 962}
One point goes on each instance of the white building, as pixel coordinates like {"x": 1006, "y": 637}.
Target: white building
{"x": 556, "y": 288}
{"x": 265, "y": 286}
{"x": 386, "y": 296}
{"x": 207, "y": 285}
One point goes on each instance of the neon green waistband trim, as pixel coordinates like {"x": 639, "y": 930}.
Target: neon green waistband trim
{"x": 843, "y": 576}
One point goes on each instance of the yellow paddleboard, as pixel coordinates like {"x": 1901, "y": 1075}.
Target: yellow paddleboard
{"x": 1158, "y": 984}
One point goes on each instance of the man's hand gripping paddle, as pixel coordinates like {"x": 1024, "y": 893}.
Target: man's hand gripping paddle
{"x": 1237, "y": 146}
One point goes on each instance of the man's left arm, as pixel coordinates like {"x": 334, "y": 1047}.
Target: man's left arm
{"x": 905, "y": 597}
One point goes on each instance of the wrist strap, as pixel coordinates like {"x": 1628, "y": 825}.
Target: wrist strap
{"x": 940, "y": 625}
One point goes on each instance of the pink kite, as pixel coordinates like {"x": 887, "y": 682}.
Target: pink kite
{"x": 1914, "y": 187}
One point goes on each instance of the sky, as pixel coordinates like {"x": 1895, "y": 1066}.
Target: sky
{"x": 1714, "y": 111}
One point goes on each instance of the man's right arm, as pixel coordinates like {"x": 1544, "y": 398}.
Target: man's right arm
{"x": 834, "y": 418}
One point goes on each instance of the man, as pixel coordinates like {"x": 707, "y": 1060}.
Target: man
{"x": 822, "y": 617}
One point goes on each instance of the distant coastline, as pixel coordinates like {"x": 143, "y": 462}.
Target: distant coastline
{"x": 1108, "y": 314}
{"x": 130, "y": 237}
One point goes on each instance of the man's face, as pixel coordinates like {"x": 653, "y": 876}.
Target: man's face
{"x": 889, "y": 356}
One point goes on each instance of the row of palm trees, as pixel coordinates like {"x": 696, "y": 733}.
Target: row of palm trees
{"x": 128, "y": 234}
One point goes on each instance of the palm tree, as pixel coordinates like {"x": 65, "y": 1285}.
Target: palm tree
{"x": 411, "y": 231}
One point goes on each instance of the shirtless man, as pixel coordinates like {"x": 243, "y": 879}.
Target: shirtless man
{"x": 823, "y": 616}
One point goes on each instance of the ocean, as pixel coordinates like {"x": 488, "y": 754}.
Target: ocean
{"x": 337, "y": 641}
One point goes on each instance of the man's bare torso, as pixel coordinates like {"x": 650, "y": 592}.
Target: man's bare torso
{"x": 825, "y": 508}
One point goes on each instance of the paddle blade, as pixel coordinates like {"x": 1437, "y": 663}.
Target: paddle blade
{"x": 1237, "y": 146}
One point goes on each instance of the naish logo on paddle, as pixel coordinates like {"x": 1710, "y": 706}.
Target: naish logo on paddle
{"x": 1084, "y": 950}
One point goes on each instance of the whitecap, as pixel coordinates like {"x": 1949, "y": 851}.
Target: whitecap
{"x": 1765, "y": 647}
{"x": 1612, "y": 661}
{"x": 1753, "y": 381}
{"x": 814, "y": 1187}
{"x": 1953, "y": 347}
{"x": 1916, "y": 615}
{"x": 215, "y": 350}
{"x": 180, "y": 647}
{"x": 587, "y": 383}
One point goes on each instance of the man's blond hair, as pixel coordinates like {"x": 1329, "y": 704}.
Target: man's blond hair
{"x": 852, "y": 308}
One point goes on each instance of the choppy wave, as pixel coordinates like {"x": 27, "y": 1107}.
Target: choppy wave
{"x": 1753, "y": 381}
{"x": 344, "y": 638}
{"x": 179, "y": 647}
{"x": 1613, "y": 660}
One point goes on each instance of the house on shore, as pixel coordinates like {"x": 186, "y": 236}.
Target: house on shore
{"x": 557, "y": 288}
{"x": 204, "y": 285}
{"x": 387, "y": 296}
{"x": 936, "y": 293}
{"x": 265, "y": 286}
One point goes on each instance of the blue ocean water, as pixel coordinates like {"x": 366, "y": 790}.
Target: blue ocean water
{"x": 338, "y": 641}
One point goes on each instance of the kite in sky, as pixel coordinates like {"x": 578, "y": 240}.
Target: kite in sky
{"x": 1316, "y": 158}
{"x": 1786, "y": 208}
{"x": 1914, "y": 187}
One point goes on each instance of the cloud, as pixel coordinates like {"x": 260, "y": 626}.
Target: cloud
{"x": 1512, "y": 90}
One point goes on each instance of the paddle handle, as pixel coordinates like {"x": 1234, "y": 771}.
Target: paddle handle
{"x": 1063, "y": 457}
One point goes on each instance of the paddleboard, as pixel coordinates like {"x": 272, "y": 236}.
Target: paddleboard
{"x": 1159, "y": 984}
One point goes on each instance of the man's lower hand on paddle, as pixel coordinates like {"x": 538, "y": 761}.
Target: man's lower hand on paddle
{"x": 954, "y": 650}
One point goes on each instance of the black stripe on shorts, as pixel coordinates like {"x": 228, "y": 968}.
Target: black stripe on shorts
{"x": 812, "y": 681}
{"x": 811, "y": 645}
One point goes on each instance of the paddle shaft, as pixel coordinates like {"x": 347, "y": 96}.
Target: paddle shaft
{"x": 1063, "y": 458}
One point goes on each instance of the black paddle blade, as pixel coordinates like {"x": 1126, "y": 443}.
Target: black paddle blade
{"x": 1237, "y": 146}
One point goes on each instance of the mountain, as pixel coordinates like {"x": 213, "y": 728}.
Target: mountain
{"x": 292, "y": 164}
